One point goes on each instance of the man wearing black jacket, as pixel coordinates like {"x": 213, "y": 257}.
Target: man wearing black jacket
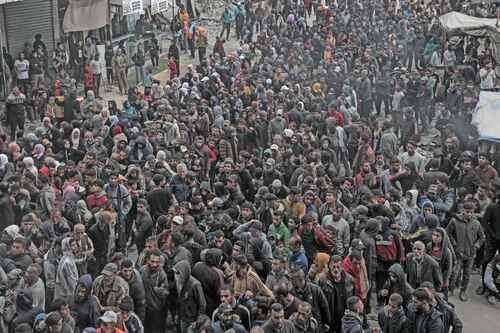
{"x": 491, "y": 226}
{"x": 159, "y": 199}
{"x": 423, "y": 316}
{"x": 337, "y": 286}
{"x": 136, "y": 287}
{"x": 392, "y": 318}
{"x": 450, "y": 317}
{"x": 311, "y": 293}
{"x": 156, "y": 291}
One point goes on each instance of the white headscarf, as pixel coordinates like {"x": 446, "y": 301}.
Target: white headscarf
{"x": 4, "y": 160}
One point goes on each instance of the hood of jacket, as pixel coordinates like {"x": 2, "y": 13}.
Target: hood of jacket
{"x": 24, "y": 301}
{"x": 184, "y": 269}
{"x": 414, "y": 197}
{"x": 445, "y": 243}
{"x": 86, "y": 282}
{"x": 398, "y": 270}
{"x": 213, "y": 257}
{"x": 351, "y": 322}
{"x": 65, "y": 247}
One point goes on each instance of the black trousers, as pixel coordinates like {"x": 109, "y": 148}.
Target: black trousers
{"x": 15, "y": 120}
{"x": 155, "y": 321}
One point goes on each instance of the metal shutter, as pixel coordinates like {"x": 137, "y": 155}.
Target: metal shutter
{"x": 24, "y": 19}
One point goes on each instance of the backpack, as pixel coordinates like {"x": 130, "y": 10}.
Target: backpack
{"x": 386, "y": 249}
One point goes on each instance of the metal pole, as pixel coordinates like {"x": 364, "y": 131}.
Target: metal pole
{"x": 2, "y": 62}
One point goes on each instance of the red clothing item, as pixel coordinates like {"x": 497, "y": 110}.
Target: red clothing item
{"x": 212, "y": 154}
{"x": 361, "y": 284}
{"x": 117, "y": 330}
{"x": 172, "y": 66}
{"x": 99, "y": 200}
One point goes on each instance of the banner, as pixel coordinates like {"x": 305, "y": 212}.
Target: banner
{"x": 84, "y": 15}
{"x": 132, "y": 7}
{"x": 158, "y": 6}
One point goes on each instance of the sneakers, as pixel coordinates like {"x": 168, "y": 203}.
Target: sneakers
{"x": 480, "y": 290}
{"x": 492, "y": 300}
{"x": 463, "y": 296}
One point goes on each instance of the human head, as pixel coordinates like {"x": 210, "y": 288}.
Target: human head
{"x": 54, "y": 322}
{"x": 437, "y": 236}
{"x": 295, "y": 244}
{"x": 429, "y": 286}
{"x": 227, "y": 295}
{"x": 355, "y": 304}
{"x": 335, "y": 265}
{"x": 127, "y": 269}
{"x": 278, "y": 264}
{"x": 419, "y": 249}
{"x": 468, "y": 209}
{"x": 32, "y": 274}
{"x": 304, "y": 313}
{"x": 78, "y": 231}
{"x": 241, "y": 262}
{"x": 422, "y": 300}
{"x": 154, "y": 260}
{"x": 108, "y": 322}
{"x": 297, "y": 276}
{"x": 109, "y": 273}
{"x": 126, "y": 306}
{"x": 411, "y": 147}
{"x": 277, "y": 316}
{"x": 356, "y": 257}
{"x": 18, "y": 246}
{"x": 60, "y": 305}
{"x": 394, "y": 304}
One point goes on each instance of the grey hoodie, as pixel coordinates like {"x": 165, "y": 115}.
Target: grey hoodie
{"x": 67, "y": 274}
{"x": 191, "y": 298}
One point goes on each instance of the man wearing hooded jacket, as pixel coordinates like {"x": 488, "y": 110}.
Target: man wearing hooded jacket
{"x": 191, "y": 298}
{"x": 85, "y": 309}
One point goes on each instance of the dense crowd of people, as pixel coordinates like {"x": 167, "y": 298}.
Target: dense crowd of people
{"x": 323, "y": 177}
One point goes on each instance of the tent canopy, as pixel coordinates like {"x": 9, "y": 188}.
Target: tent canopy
{"x": 455, "y": 22}
{"x": 458, "y": 22}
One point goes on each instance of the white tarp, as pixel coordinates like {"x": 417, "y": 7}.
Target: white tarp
{"x": 487, "y": 115}
{"x": 475, "y": 26}
{"x": 458, "y": 21}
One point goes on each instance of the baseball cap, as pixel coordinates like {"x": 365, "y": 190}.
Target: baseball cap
{"x": 110, "y": 269}
{"x": 109, "y": 317}
{"x": 178, "y": 219}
